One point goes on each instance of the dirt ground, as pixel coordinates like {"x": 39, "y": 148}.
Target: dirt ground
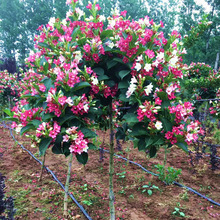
{"x": 36, "y": 200}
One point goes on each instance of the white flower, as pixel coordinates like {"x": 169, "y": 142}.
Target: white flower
{"x": 160, "y": 56}
{"x": 147, "y": 67}
{"x": 78, "y": 55}
{"x": 102, "y": 18}
{"x": 148, "y": 89}
{"x": 131, "y": 89}
{"x": 69, "y": 13}
{"x": 86, "y": 107}
{"x": 184, "y": 51}
{"x": 139, "y": 58}
{"x": 69, "y": 101}
{"x": 18, "y": 129}
{"x": 33, "y": 145}
{"x": 133, "y": 80}
{"x": 138, "y": 66}
{"x": 173, "y": 61}
{"x": 64, "y": 22}
{"x": 111, "y": 45}
{"x": 80, "y": 12}
{"x": 52, "y": 21}
{"x": 94, "y": 80}
{"x": 158, "y": 125}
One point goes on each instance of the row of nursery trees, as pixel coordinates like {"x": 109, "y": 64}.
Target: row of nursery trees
{"x": 127, "y": 73}
{"x": 20, "y": 19}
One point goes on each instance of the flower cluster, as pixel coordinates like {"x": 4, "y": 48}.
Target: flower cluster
{"x": 24, "y": 115}
{"x": 215, "y": 105}
{"x": 78, "y": 143}
{"x": 47, "y": 129}
{"x": 201, "y": 81}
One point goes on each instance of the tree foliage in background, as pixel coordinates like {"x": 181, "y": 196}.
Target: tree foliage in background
{"x": 20, "y": 20}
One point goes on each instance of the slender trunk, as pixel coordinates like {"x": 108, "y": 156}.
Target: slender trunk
{"x": 65, "y": 213}
{"x": 42, "y": 167}
{"x": 101, "y": 151}
{"x": 111, "y": 168}
{"x": 216, "y": 62}
{"x": 165, "y": 162}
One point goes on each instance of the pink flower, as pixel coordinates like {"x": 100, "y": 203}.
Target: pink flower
{"x": 97, "y": 7}
{"x": 123, "y": 13}
{"x": 42, "y": 87}
{"x": 158, "y": 101}
{"x": 87, "y": 48}
{"x": 169, "y": 135}
{"x": 150, "y": 53}
{"x": 66, "y": 138}
{"x": 53, "y": 134}
{"x": 89, "y": 6}
{"x": 62, "y": 100}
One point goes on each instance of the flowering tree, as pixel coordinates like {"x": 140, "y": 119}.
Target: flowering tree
{"x": 201, "y": 81}
{"x": 9, "y": 88}
{"x": 79, "y": 69}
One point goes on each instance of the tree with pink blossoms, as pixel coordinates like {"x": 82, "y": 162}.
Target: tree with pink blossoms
{"x": 79, "y": 68}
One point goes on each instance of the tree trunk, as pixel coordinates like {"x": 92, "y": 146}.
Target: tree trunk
{"x": 216, "y": 62}
{"x": 67, "y": 185}
{"x": 111, "y": 168}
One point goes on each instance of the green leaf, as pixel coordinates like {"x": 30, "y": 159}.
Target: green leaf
{"x": 138, "y": 130}
{"x": 106, "y": 34}
{"x": 92, "y": 146}
{"x": 149, "y": 141}
{"x": 123, "y": 85}
{"x": 111, "y": 64}
{"x": 36, "y": 123}
{"x": 162, "y": 95}
{"x": 167, "y": 125}
{"x": 43, "y": 61}
{"x": 124, "y": 73}
{"x": 66, "y": 148}
{"x": 62, "y": 120}
{"x": 28, "y": 127}
{"x": 102, "y": 77}
{"x": 142, "y": 144}
{"x": 75, "y": 32}
{"x": 153, "y": 151}
{"x": 56, "y": 149}
{"x": 8, "y": 112}
{"x": 99, "y": 71}
{"x": 123, "y": 98}
{"x": 88, "y": 133}
{"x": 165, "y": 104}
{"x": 158, "y": 140}
{"x": 81, "y": 85}
{"x": 130, "y": 118}
{"x": 150, "y": 192}
{"x": 48, "y": 83}
{"x": 183, "y": 146}
{"x": 44, "y": 144}
{"x": 120, "y": 134}
{"x": 44, "y": 45}
{"x": 124, "y": 35}
{"x": 47, "y": 116}
{"x": 82, "y": 158}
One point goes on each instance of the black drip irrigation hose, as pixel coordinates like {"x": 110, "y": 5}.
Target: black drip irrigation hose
{"x": 175, "y": 183}
{"x": 205, "y": 100}
{"x": 54, "y": 176}
{"x": 123, "y": 158}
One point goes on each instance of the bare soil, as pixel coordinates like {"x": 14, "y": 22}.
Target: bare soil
{"x": 36, "y": 200}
